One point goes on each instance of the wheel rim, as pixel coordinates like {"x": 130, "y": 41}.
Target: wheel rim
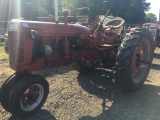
{"x": 32, "y": 97}
{"x": 138, "y": 67}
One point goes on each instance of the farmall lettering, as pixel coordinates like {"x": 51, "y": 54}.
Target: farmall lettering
{"x": 36, "y": 45}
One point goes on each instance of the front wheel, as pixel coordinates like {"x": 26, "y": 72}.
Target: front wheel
{"x": 28, "y": 96}
{"x": 134, "y": 59}
{"x": 7, "y": 87}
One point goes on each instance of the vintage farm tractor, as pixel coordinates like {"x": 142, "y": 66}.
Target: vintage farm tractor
{"x": 35, "y": 45}
{"x": 154, "y": 28}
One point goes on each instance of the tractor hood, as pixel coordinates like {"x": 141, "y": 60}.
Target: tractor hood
{"x": 48, "y": 28}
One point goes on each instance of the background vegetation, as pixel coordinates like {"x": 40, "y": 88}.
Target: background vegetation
{"x": 150, "y": 17}
{"x": 133, "y": 11}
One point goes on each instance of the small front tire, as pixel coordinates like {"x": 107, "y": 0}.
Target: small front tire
{"x": 28, "y": 96}
{"x": 7, "y": 87}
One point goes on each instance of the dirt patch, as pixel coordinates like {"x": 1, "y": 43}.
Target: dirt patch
{"x": 93, "y": 96}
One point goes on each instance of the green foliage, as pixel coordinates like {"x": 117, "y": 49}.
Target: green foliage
{"x": 150, "y": 17}
{"x": 133, "y": 11}
{"x": 136, "y": 11}
{"x": 35, "y": 8}
{"x": 94, "y": 5}
{"x": 69, "y": 5}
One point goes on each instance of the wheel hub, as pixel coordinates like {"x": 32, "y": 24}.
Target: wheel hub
{"x": 138, "y": 56}
{"x": 31, "y": 97}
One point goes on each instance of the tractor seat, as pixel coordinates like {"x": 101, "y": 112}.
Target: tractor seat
{"x": 112, "y": 22}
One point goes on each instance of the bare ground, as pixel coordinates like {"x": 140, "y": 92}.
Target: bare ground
{"x": 93, "y": 96}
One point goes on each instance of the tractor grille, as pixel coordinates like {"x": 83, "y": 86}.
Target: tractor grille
{"x": 16, "y": 46}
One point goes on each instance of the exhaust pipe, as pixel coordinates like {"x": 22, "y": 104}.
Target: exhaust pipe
{"x": 56, "y": 11}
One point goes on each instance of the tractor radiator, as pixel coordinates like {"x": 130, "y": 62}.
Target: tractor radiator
{"x": 16, "y": 47}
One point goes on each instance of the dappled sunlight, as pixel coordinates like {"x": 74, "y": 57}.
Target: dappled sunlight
{"x": 116, "y": 103}
{"x": 2, "y": 10}
{"x": 143, "y": 102}
{"x": 10, "y": 9}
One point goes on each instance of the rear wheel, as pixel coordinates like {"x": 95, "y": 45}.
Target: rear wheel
{"x": 134, "y": 59}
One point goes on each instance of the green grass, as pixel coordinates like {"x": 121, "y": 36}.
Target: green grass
{"x": 3, "y": 55}
{"x": 1, "y": 49}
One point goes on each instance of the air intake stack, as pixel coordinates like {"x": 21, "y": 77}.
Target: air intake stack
{"x": 56, "y": 10}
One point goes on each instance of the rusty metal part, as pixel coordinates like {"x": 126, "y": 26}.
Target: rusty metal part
{"x": 65, "y": 13}
{"x": 66, "y": 48}
{"x": 138, "y": 57}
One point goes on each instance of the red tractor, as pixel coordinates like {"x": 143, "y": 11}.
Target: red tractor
{"x": 35, "y": 45}
{"x": 154, "y": 28}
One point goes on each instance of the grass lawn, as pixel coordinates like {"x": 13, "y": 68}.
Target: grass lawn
{"x": 3, "y": 55}
{"x": 5, "y": 69}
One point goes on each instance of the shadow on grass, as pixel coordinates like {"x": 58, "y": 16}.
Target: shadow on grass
{"x": 98, "y": 82}
{"x": 157, "y": 55}
{"x": 155, "y": 66}
{"x": 141, "y": 104}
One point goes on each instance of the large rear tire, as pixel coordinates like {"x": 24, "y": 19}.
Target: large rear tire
{"x": 134, "y": 59}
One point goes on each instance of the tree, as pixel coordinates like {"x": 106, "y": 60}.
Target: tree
{"x": 69, "y": 5}
{"x": 35, "y": 8}
{"x": 132, "y": 11}
{"x": 150, "y": 17}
